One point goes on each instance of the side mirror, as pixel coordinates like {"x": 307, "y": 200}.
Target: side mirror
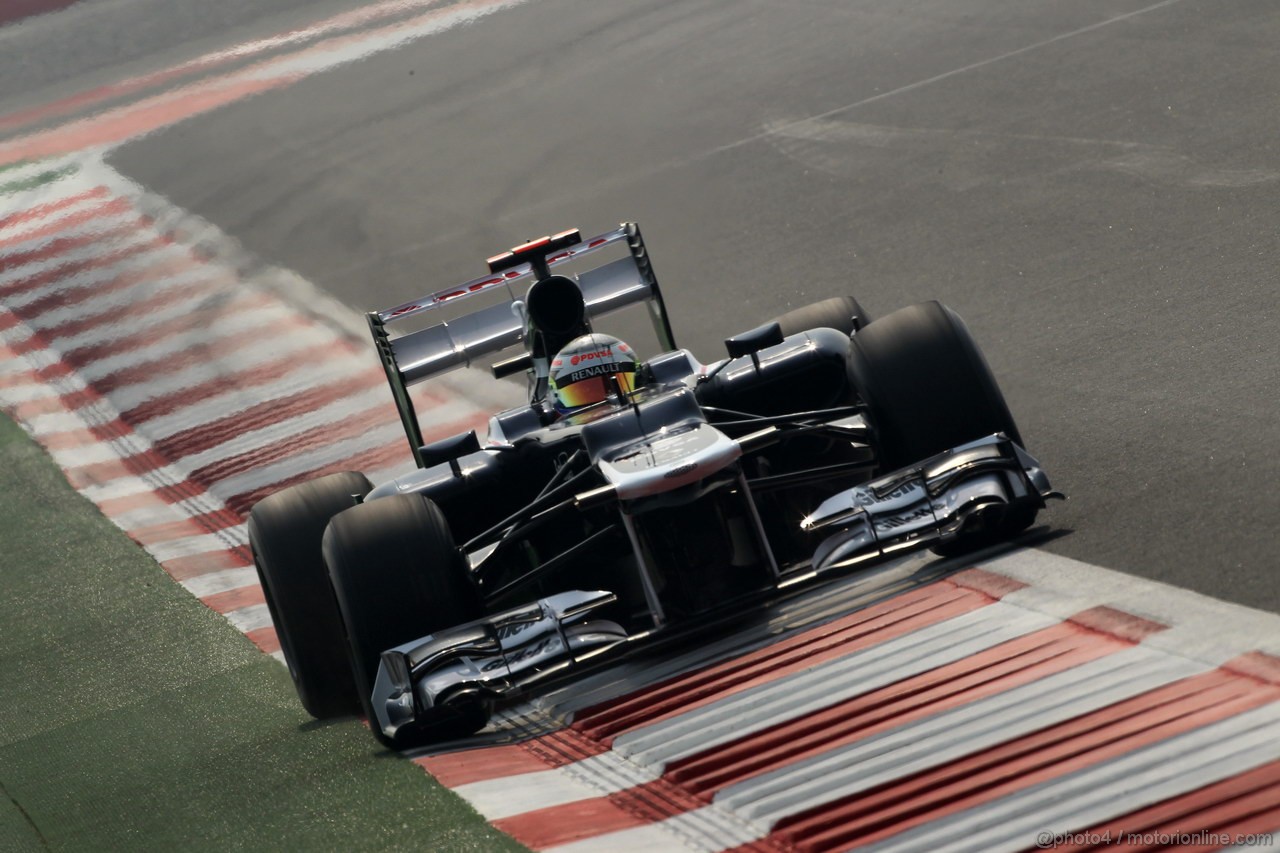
{"x": 750, "y": 343}
{"x": 449, "y": 450}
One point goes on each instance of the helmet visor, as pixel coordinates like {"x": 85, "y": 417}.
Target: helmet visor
{"x": 593, "y": 389}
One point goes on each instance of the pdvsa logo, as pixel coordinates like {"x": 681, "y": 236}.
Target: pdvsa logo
{"x": 589, "y": 356}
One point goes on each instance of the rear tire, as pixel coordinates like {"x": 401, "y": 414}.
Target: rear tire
{"x": 842, "y": 313}
{"x": 397, "y": 576}
{"x": 285, "y": 530}
{"x": 929, "y": 389}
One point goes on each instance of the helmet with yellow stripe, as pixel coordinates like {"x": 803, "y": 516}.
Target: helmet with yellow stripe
{"x": 581, "y": 373}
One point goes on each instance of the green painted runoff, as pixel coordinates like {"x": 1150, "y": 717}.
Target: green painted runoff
{"x": 134, "y": 718}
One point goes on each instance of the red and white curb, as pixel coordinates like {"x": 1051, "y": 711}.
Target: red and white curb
{"x": 177, "y": 382}
{"x": 1030, "y": 695}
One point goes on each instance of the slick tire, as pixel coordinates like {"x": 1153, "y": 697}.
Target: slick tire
{"x": 285, "y": 532}
{"x": 929, "y": 389}
{"x": 842, "y": 313}
{"x": 397, "y": 576}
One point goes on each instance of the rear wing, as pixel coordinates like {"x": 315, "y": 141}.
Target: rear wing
{"x": 418, "y": 355}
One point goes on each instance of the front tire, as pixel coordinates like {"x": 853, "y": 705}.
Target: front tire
{"x": 397, "y": 576}
{"x": 929, "y": 389}
{"x": 285, "y": 530}
{"x": 842, "y": 313}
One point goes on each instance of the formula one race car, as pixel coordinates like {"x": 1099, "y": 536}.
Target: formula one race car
{"x": 626, "y": 499}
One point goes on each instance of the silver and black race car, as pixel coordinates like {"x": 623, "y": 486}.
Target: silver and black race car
{"x": 823, "y": 443}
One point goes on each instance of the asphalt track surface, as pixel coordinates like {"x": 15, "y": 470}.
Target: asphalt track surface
{"x": 1092, "y": 185}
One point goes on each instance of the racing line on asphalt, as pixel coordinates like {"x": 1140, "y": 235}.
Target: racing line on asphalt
{"x": 177, "y": 380}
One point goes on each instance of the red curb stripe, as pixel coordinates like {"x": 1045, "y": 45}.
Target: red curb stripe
{"x": 595, "y": 817}
{"x": 265, "y": 639}
{"x": 1052, "y": 752}
{"x": 543, "y": 753}
{"x": 123, "y": 123}
{"x": 878, "y": 623}
{"x": 477, "y": 765}
{"x": 1117, "y": 623}
{"x": 205, "y": 63}
{"x": 992, "y": 583}
{"x": 1242, "y": 805}
{"x": 234, "y": 599}
{"x": 83, "y": 437}
{"x": 18, "y": 378}
{"x": 40, "y": 211}
{"x": 14, "y": 10}
{"x": 1257, "y": 665}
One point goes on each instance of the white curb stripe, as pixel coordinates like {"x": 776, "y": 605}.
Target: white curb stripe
{"x": 951, "y": 735}
{"x": 582, "y": 780}
{"x": 207, "y": 543}
{"x": 707, "y": 830}
{"x": 837, "y": 681}
{"x": 203, "y": 586}
{"x": 251, "y": 618}
{"x": 1147, "y": 776}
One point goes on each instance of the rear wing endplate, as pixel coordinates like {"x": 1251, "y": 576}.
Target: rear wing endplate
{"x": 418, "y": 355}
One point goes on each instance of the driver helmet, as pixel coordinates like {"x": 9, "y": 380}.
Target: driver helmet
{"x": 580, "y": 372}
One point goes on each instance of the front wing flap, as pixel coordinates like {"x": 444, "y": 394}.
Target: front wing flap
{"x": 930, "y": 503}
{"x": 478, "y": 661}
